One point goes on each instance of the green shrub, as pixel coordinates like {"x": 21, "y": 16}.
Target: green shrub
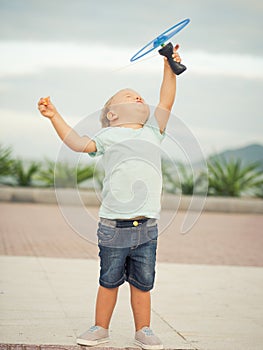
{"x": 180, "y": 178}
{"x": 6, "y": 161}
{"x": 231, "y": 178}
{"x": 23, "y": 174}
{"x": 62, "y": 174}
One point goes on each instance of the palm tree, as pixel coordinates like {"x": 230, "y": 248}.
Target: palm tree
{"x": 181, "y": 178}
{"x": 231, "y": 178}
{"x": 62, "y": 174}
{"x": 6, "y": 161}
{"x": 24, "y": 175}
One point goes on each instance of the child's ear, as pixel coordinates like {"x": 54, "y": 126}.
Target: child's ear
{"x": 111, "y": 116}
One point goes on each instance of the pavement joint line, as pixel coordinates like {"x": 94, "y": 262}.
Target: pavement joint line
{"x": 39, "y": 260}
{"x": 170, "y": 326}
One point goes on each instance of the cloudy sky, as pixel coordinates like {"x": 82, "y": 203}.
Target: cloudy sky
{"x": 78, "y": 53}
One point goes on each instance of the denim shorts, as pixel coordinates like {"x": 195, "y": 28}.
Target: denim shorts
{"x": 127, "y": 254}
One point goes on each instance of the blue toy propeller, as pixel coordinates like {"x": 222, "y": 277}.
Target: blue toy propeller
{"x": 167, "y": 49}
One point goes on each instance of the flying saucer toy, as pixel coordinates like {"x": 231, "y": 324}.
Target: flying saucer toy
{"x": 166, "y": 49}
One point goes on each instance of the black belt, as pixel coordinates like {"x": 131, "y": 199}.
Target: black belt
{"x": 130, "y": 223}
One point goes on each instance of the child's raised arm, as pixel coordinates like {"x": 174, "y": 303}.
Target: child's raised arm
{"x": 167, "y": 93}
{"x": 65, "y": 132}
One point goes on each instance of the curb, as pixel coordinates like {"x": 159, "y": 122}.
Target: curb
{"x": 57, "y": 347}
{"x": 213, "y": 204}
{"x": 64, "y": 347}
{"x": 169, "y": 202}
{"x": 67, "y": 196}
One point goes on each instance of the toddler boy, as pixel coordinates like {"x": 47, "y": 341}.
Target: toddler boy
{"x": 127, "y": 230}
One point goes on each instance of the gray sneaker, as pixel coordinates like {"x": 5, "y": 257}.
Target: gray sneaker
{"x": 146, "y": 339}
{"x": 94, "y": 336}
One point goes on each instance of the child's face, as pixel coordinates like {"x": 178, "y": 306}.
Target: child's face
{"x": 129, "y": 107}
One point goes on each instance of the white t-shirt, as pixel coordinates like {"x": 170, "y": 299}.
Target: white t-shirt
{"x": 131, "y": 159}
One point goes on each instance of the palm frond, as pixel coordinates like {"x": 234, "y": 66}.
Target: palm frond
{"x": 231, "y": 178}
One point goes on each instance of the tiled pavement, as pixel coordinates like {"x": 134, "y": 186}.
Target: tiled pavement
{"x": 199, "y": 301}
{"x": 216, "y": 239}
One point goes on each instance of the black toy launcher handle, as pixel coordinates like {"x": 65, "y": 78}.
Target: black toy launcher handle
{"x": 168, "y": 51}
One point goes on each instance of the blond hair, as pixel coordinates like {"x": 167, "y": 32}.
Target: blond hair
{"x": 103, "y": 116}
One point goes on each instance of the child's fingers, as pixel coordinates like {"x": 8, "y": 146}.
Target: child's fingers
{"x": 41, "y": 101}
{"x": 42, "y": 104}
{"x": 176, "y": 55}
{"x": 44, "y": 101}
{"x": 42, "y": 108}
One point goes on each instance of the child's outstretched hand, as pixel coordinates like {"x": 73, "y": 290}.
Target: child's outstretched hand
{"x": 176, "y": 55}
{"x": 46, "y": 108}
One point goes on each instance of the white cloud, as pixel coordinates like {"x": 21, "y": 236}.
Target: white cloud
{"x": 23, "y": 58}
{"x": 229, "y": 64}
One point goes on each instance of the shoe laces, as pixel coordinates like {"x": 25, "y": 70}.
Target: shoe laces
{"x": 148, "y": 331}
{"x": 93, "y": 329}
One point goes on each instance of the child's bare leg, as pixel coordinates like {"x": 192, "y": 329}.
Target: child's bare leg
{"x": 141, "y": 307}
{"x": 106, "y": 300}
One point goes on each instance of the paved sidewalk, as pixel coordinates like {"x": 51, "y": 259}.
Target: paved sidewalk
{"x": 216, "y": 239}
{"x": 47, "y": 301}
{"x": 200, "y": 300}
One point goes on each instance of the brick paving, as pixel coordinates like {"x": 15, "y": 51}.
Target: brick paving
{"x": 216, "y": 239}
